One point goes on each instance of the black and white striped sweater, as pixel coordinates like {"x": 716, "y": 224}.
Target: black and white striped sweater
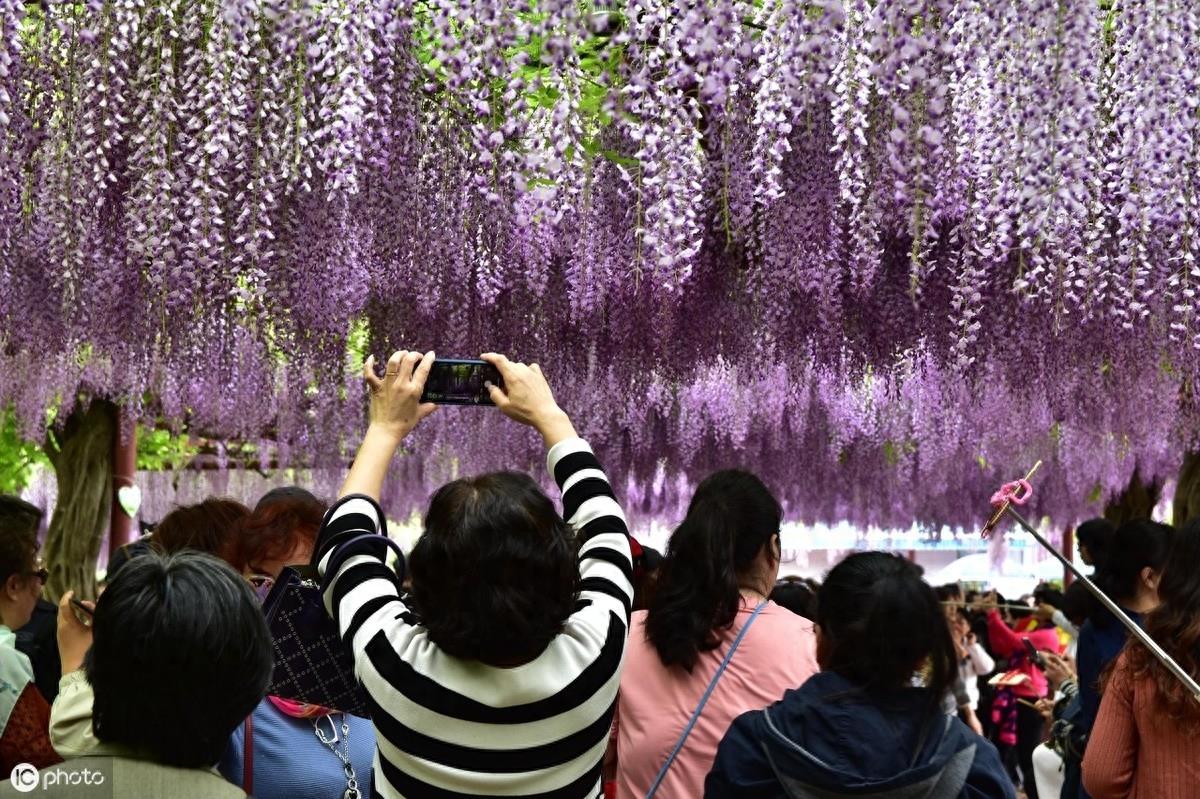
{"x": 448, "y": 728}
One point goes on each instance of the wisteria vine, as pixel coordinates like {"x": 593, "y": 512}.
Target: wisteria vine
{"x": 882, "y": 253}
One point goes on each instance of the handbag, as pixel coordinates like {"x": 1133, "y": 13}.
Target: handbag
{"x": 666, "y": 766}
{"x": 312, "y": 664}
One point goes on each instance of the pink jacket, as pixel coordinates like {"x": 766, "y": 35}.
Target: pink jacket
{"x": 1009, "y": 644}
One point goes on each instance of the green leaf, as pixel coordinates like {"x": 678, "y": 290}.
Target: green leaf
{"x": 20, "y": 459}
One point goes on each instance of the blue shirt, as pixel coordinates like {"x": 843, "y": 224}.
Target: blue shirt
{"x": 291, "y": 763}
{"x": 1099, "y": 646}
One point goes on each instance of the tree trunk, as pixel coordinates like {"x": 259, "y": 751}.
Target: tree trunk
{"x": 1135, "y": 502}
{"x": 1187, "y": 493}
{"x": 83, "y": 465}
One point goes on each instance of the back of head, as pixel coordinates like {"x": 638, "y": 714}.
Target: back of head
{"x": 284, "y": 522}
{"x": 1097, "y": 536}
{"x": 950, "y": 592}
{"x": 494, "y": 575}
{"x": 209, "y": 526}
{"x": 19, "y": 522}
{"x": 1175, "y": 625}
{"x": 730, "y": 519}
{"x": 879, "y": 624}
{"x": 1046, "y": 594}
{"x": 1138, "y": 544}
{"x": 1077, "y": 602}
{"x": 796, "y": 596}
{"x": 181, "y": 655}
{"x": 645, "y": 576}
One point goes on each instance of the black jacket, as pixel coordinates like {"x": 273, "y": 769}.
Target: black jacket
{"x": 827, "y": 739}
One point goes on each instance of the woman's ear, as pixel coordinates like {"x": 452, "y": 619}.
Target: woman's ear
{"x": 1150, "y": 578}
{"x": 14, "y": 586}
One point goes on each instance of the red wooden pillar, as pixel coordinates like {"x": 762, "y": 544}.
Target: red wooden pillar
{"x": 1069, "y": 553}
{"x": 121, "y": 524}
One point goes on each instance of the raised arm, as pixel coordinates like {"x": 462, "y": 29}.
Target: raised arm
{"x": 588, "y": 502}
{"x": 605, "y": 564}
{"x": 396, "y": 409}
{"x": 1005, "y": 642}
{"x": 350, "y": 552}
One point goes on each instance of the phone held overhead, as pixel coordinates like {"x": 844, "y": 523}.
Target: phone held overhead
{"x": 457, "y": 381}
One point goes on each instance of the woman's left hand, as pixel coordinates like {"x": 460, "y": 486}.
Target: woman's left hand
{"x": 396, "y": 406}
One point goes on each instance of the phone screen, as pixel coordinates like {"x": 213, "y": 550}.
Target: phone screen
{"x": 460, "y": 382}
{"x": 1034, "y": 655}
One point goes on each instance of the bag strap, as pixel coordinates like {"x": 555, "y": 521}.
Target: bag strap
{"x": 662, "y": 772}
{"x": 248, "y": 755}
{"x": 341, "y": 553}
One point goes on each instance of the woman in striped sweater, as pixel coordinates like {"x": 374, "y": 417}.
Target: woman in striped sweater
{"x": 500, "y": 677}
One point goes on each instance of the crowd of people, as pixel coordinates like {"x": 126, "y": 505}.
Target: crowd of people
{"x": 520, "y": 651}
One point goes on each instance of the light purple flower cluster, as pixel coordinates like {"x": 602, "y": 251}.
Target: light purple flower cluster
{"x": 884, "y": 253}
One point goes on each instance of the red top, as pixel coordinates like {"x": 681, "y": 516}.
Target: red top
{"x": 26, "y": 737}
{"x": 1009, "y": 644}
{"x": 1136, "y": 752}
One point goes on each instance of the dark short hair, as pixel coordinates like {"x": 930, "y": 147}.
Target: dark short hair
{"x": 1046, "y": 594}
{"x": 796, "y": 596}
{"x": 646, "y": 569}
{"x": 1077, "y": 603}
{"x": 19, "y": 522}
{"x": 880, "y": 622}
{"x": 209, "y": 526}
{"x": 949, "y": 592}
{"x": 1097, "y": 535}
{"x": 181, "y": 656}
{"x": 281, "y": 520}
{"x": 495, "y": 573}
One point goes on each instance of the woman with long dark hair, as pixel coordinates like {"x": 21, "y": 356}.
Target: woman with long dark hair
{"x": 1130, "y": 575}
{"x": 710, "y": 632}
{"x": 1146, "y": 740}
{"x": 861, "y": 727}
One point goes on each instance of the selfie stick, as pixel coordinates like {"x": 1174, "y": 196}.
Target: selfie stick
{"x": 1000, "y": 605}
{"x": 1113, "y": 608}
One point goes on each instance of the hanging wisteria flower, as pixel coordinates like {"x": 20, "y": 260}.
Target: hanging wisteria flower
{"x": 883, "y": 253}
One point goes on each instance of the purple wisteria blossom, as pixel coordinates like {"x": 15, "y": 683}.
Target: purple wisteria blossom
{"x": 886, "y": 254}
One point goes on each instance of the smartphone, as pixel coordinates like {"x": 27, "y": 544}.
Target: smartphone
{"x": 454, "y": 381}
{"x": 1034, "y": 655}
{"x": 82, "y": 611}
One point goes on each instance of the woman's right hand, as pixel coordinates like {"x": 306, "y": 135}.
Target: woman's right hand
{"x": 526, "y": 398}
{"x": 1057, "y": 669}
{"x": 74, "y": 635}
